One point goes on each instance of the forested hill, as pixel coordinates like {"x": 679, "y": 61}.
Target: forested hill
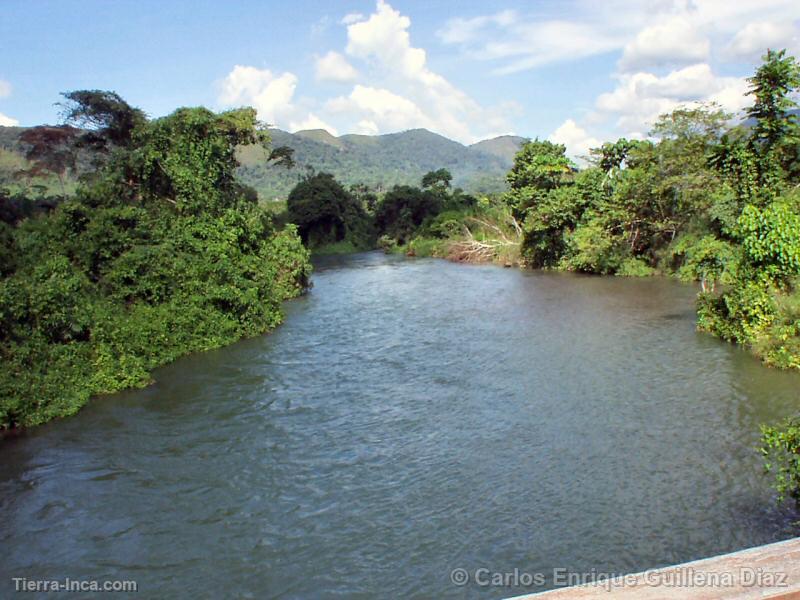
{"x": 381, "y": 161}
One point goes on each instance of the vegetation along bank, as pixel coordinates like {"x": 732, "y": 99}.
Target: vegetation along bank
{"x": 158, "y": 252}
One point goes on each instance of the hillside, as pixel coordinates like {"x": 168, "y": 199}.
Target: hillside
{"x": 504, "y": 147}
{"x": 381, "y": 161}
{"x": 378, "y": 161}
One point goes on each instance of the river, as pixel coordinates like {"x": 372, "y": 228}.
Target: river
{"x": 410, "y": 417}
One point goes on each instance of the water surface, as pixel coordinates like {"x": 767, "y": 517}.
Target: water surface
{"x": 409, "y": 418}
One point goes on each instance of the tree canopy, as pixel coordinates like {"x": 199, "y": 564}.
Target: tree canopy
{"x": 159, "y": 252}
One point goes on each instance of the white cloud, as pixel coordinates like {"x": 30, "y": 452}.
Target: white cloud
{"x": 523, "y": 43}
{"x": 674, "y": 41}
{"x": 393, "y": 88}
{"x": 380, "y": 106}
{"x": 271, "y": 95}
{"x": 415, "y": 95}
{"x": 5, "y": 89}
{"x": 753, "y": 40}
{"x": 732, "y": 94}
{"x": 459, "y": 31}
{"x": 367, "y": 127}
{"x": 694, "y": 82}
{"x": 575, "y": 138}
{"x": 649, "y": 33}
{"x": 351, "y": 18}
{"x": 384, "y": 36}
{"x": 7, "y": 121}
{"x": 312, "y": 121}
{"x": 334, "y": 67}
{"x": 640, "y": 98}
{"x": 320, "y": 26}
{"x": 667, "y": 52}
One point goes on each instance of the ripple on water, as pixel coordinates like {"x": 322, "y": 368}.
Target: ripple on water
{"x": 410, "y": 417}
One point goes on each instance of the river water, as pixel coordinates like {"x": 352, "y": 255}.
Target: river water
{"x": 409, "y": 418}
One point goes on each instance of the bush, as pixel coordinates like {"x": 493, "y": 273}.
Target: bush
{"x": 591, "y": 249}
{"x": 635, "y": 267}
{"x": 780, "y": 447}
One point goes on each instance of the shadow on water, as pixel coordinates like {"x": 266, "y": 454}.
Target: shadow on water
{"x": 409, "y": 418}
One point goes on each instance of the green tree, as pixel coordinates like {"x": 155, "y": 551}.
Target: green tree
{"x": 437, "y": 180}
{"x": 775, "y": 138}
{"x": 403, "y": 210}
{"x": 326, "y": 213}
{"x": 772, "y": 87}
{"x": 539, "y": 166}
{"x": 105, "y": 119}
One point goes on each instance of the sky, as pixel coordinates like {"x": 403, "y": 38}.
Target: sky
{"x": 578, "y": 72}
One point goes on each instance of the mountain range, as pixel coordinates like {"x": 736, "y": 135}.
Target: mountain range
{"x": 379, "y": 161}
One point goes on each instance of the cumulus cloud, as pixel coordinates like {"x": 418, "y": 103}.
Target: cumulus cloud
{"x": 415, "y": 96}
{"x": 7, "y": 121}
{"x": 312, "y": 121}
{"x": 731, "y": 94}
{"x": 673, "y": 41}
{"x": 753, "y": 39}
{"x": 575, "y": 138}
{"x": 393, "y": 88}
{"x": 668, "y": 52}
{"x": 640, "y": 98}
{"x": 384, "y": 36}
{"x": 376, "y": 105}
{"x": 5, "y": 89}
{"x": 334, "y": 67}
{"x": 270, "y": 94}
{"x": 367, "y": 127}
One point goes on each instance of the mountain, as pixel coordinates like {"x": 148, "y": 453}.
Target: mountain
{"x": 322, "y": 136}
{"x": 379, "y": 161}
{"x": 504, "y": 146}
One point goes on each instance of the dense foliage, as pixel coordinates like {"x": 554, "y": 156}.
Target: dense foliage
{"x": 780, "y": 447}
{"x": 326, "y": 214}
{"x": 405, "y": 210}
{"x": 160, "y": 252}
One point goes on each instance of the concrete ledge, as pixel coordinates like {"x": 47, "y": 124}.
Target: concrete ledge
{"x": 771, "y": 571}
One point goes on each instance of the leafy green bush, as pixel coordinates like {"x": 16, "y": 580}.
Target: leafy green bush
{"x": 703, "y": 258}
{"x": 159, "y": 254}
{"x": 771, "y": 238}
{"x": 591, "y": 249}
{"x": 635, "y": 267}
{"x": 780, "y": 447}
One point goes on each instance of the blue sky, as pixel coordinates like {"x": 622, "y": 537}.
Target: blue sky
{"x": 576, "y": 71}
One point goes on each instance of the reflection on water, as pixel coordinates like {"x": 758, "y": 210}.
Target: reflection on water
{"x": 409, "y": 418}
